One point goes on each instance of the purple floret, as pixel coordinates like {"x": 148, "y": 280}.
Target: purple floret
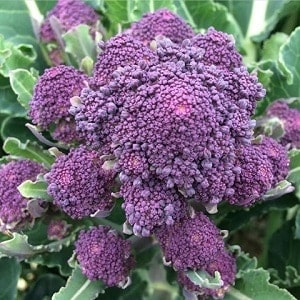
{"x": 51, "y": 100}
{"x": 79, "y": 185}
{"x": 69, "y": 14}
{"x": 191, "y": 243}
{"x": 12, "y": 204}
{"x": 225, "y": 264}
{"x": 103, "y": 255}
{"x": 150, "y": 204}
{"x": 57, "y": 229}
{"x": 177, "y": 119}
{"x": 162, "y": 22}
{"x": 291, "y": 122}
{"x": 119, "y": 51}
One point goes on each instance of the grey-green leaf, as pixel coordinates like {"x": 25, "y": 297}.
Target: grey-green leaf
{"x": 30, "y": 150}
{"x": 203, "y": 279}
{"x": 78, "y": 287}
{"x": 37, "y": 189}
{"x": 22, "y": 83}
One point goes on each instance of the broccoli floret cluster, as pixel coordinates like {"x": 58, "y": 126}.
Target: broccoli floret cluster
{"x": 195, "y": 243}
{"x": 176, "y": 119}
{"x": 151, "y": 204}
{"x": 13, "y": 213}
{"x": 104, "y": 255}
{"x": 50, "y": 103}
{"x": 290, "y": 118}
{"x": 119, "y": 51}
{"x": 69, "y": 14}
{"x": 161, "y": 23}
{"x": 79, "y": 185}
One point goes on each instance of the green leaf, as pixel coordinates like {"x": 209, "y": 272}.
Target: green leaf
{"x": 283, "y": 187}
{"x": 207, "y": 13}
{"x": 272, "y": 45}
{"x": 294, "y": 156}
{"x": 45, "y": 286}
{"x": 30, "y": 150}
{"x": 11, "y": 270}
{"x": 79, "y": 287}
{"x": 8, "y": 102}
{"x": 255, "y": 284}
{"x": 18, "y": 247}
{"x": 37, "y": 189}
{"x": 54, "y": 259}
{"x": 243, "y": 261}
{"x": 291, "y": 277}
{"x": 79, "y": 43}
{"x": 203, "y": 279}
{"x": 22, "y": 83}
{"x": 297, "y": 223}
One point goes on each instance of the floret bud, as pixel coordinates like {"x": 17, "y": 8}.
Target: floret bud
{"x": 104, "y": 255}
{"x": 161, "y": 22}
{"x": 13, "y": 213}
{"x": 79, "y": 185}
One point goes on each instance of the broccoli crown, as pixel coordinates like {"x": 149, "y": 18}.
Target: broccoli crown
{"x": 161, "y": 22}
{"x": 12, "y": 204}
{"x": 57, "y": 229}
{"x": 291, "y": 122}
{"x": 151, "y": 204}
{"x": 79, "y": 185}
{"x": 51, "y": 100}
{"x": 103, "y": 255}
{"x": 191, "y": 243}
{"x": 259, "y": 168}
{"x": 197, "y": 244}
{"x": 69, "y": 13}
{"x": 224, "y": 263}
{"x": 119, "y": 51}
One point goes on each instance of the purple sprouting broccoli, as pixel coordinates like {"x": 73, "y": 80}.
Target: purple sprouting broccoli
{"x": 161, "y": 23}
{"x": 151, "y": 204}
{"x": 195, "y": 243}
{"x": 225, "y": 264}
{"x": 13, "y": 213}
{"x": 79, "y": 185}
{"x": 69, "y": 13}
{"x": 104, "y": 255}
{"x": 57, "y": 229}
{"x": 218, "y": 49}
{"x": 119, "y": 51}
{"x": 290, "y": 117}
{"x": 51, "y": 101}
{"x": 259, "y": 167}
{"x": 177, "y": 120}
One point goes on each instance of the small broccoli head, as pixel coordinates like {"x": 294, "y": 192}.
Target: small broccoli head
{"x": 161, "y": 23}
{"x": 224, "y": 263}
{"x": 104, "y": 255}
{"x": 79, "y": 185}
{"x": 191, "y": 243}
{"x": 57, "y": 229}
{"x": 13, "y": 214}
{"x": 290, "y": 118}
{"x": 150, "y": 204}
{"x": 119, "y": 51}
{"x": 51, "y": 100}
{"x": 69, "y": 13}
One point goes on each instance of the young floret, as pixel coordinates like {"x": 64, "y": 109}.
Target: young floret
{"x": 150, "y": 204}
{"x": 225, "y": 264}
{"x": 69, "y": 13}
{"x": 291, "y": 122}
{"x": 79, "y": 185}
{"x": 51, "y": 100}
{"x": 259, "y": 167}
{"x": 57, "y": 229}
{"x": 197, "y": 244}
{"x": 104, "y": 255}
{"x": 119, "y": 51}
{"x": 13, "y": 212}
{"x": 162, "y": 22}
